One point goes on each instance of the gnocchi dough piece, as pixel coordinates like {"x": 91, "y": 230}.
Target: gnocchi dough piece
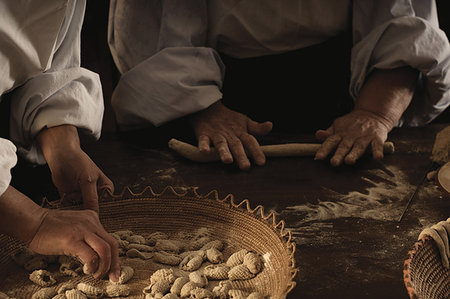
{"x": 199, "y": 278}
{"x": 217, "y": 244}
{"x": 90, "y": 291}
{"x": 59, "y": 296}
{"x": 75, "y": 294}
{"x": 240, "y": 272}
{"x": 70, "y": 266}
{"x": 221, "y": 291}
{"x": 255, "y": 295}
{"x": 199, "y": 243}
{"x": 201, "y": 253}
{"x": 156, "y": 296}
{"x": 163, "y": 274}
{"x": 187, "y": 288}
{"x": 167, "y": 258}
{"x": 253, "y": 262}
{"x": 191, "y": 263}
{"x": 45, "y": 293}
{"x": 159, "y": 287}
{"x": 200, "y": 293}
{"x": 178, "y": 284}
{"x": 123, "y": 234}
{"x": 137, "y": 239}
{"x": 216, "y": 272}
{"x": 167, "y": 245}
{"x": 141, "y": 247}
{"x": 237, "y": 258}
{"x": 42, "y": 278}
{"x": 133, "y": 252}
{"x": 68, "y": 285}
{"x": 126, "y": 273}
{"x": 214, "y": 255}
{"x": 116, "y": 290}
{"x": 170, "y": 296}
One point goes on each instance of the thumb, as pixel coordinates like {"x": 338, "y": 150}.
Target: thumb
{"x": 256, "y": 128}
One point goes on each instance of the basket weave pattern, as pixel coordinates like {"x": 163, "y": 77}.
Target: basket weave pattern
{"x": 424, "y": 275}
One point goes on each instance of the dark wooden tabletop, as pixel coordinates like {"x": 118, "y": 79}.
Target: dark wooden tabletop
{"x": 345, "y": 220}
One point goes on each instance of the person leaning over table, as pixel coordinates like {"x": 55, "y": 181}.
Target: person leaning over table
{"x": 170, "y": 54}
{"x": 51, "y": 96}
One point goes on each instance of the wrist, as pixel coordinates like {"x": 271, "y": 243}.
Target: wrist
{"x": 387, "y": 93}
{"x": 20, "y": 217}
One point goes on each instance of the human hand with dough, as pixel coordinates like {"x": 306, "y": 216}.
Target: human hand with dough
{"x": 381, "y": 103}
{"x": 231, "y": 133}
{"x": 60, "y": 232}
{"x": 74, "y": 174}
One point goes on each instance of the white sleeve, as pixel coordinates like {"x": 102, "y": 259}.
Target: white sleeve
{"x": 168, "y": 75}
{"x": 390, "y": 34}
{"x": 8, "y": 160}
{"x": 64, "y": 94}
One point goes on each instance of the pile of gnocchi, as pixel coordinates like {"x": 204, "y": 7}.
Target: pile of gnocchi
{"x": 203, "y": 272}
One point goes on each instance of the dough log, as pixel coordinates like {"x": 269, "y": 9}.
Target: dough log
{"x": 278, "y": 150}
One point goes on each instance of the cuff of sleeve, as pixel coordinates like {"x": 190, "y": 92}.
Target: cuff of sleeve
{"x": 8, "y": 160}
{"x": 173, "y": 83}
{"x": 414, "y": 42}
{"x": 71, "y": 97}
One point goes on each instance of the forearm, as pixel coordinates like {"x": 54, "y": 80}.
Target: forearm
{"x": 58, "y": 139}
{"x": 20, "y": 217}
{"x": 387, "y": 93}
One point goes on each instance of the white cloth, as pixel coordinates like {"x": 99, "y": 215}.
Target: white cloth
{"x": 8, "y": 160}
{"x": 440, "y": 234}
{"x": 40, "y": 67}
{"x": 166, "y": 50}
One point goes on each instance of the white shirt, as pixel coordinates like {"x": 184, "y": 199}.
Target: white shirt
{"x": 40, "y": 67}
{"x": 166, "y": 50}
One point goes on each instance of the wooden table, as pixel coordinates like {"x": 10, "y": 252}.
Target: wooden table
{"x": 344, "y": 220}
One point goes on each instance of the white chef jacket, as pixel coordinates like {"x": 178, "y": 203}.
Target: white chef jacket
{"x": 40, "y": 67}
{"x": 166, "y": 50}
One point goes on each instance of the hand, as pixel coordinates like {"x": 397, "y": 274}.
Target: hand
{"x": 231, "y": 133}
{"x": 380, "y": 104}
{"x": 350, "y": 135}
{"x": 79, "y": 234}
{"x": 74, "y": 174}
{"x": 60, "y": 232}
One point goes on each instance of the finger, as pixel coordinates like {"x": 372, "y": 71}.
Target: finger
{"x": 358, "y": 149}
{"x": 89, "y": 194}
{"x": 87, "y": 256}
{"x": 253, "y": 149}
{"x": 239, "y": 154}
{"x": 203, "y": 144}
{"x": 114, "y": 271}
{"x": 342, "y": 150}
{"x": 221, "y": 145}
{"x": 321, "y": 135}
{"x": 259, "y": 129}
{"x": 103, "y": 250}
{"x": 327, "y": 147}
{"x": 377, "y": 149}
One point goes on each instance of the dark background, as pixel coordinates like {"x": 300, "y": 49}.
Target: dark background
{"x": 96, "y": 55}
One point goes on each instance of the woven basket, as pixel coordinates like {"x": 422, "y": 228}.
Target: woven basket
{"x": 237, "y": 224}
{"x": 424, "y": 275}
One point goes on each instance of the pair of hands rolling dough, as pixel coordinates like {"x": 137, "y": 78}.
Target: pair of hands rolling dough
{"x": 382, "y": 101}
{"x": 64, "y": 232}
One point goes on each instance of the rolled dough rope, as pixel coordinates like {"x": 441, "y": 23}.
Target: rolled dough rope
{"x": 277, "y": 150}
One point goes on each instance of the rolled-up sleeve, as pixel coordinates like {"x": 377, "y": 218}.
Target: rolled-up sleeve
{"x": 8, "y": 160}
{"x": 65, "y": 94}
{"x": 169, "y": 74}
{"x": 390, "y": 34}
